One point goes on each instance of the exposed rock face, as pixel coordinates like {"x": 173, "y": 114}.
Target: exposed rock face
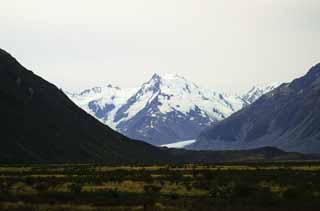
{"x": 287, "y": 117}
{"x": 39, "y": 124}
{"x": 166, "y": 109}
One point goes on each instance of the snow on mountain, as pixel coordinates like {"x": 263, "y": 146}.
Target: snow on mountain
{"x": 257, "y": 91}
{"x": 185, "y": 96}
{"x": 288, "y": 118}
{"x": 169, "y": 108}
{"x": 175, "y": 93}
{"x": 180, "y": 144}
{"x": 163, "y": 110}
{"x": 103, "y": 102}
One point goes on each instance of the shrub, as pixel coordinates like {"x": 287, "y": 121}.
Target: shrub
{"x": 75, "y": 188}
{"x": 222, "y": 193}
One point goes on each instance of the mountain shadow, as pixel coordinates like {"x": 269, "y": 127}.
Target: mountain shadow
{"x": 39, "y": 124}
{"x": 287, "y": 118}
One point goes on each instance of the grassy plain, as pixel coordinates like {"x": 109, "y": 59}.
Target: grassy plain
{"x": 233, "y": 186}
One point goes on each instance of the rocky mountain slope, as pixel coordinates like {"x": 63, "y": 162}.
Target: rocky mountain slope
{"x": 40, "y": 124}
{"x": 257, "y": 91}
{"x": 166, "y": 109}
{"x": 287, "y": 117}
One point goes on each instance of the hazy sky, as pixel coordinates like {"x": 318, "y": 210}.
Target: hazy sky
{"x": 226, "y": 45}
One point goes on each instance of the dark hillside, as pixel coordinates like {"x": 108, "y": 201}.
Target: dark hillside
{"x": 40, "y": 124}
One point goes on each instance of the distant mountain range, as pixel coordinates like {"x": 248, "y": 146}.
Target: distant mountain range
{"x": 40, "y": 124}
{"x": 287, "y": 117}
{"x": 166, "y": 109}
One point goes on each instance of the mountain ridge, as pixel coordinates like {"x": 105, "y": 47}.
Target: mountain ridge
{"x": 42, "y": 125}
{"x": 166, "y": 109}
{"x": 287, "y": 117}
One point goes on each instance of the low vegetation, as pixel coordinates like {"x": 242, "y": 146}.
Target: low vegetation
{"x": 263, "y": 186}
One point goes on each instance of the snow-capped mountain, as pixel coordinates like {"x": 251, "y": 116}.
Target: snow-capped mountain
{"x": 166, "y": 109}
{"x": 287, "y": 118}
{"x": 103, "y": 102}
{"x": 257, "y": 91}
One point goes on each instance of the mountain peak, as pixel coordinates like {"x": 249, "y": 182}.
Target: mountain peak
{"x": 167, "y": 108}
{"x": 113, "y": 87}
{"x": 288, "y": 118}
{"x": 263, "y": 86}
{"x": 3, "y": 52}
{"x": 167, "y": 76}
{"x": 315, "y": 70}
{"x": 258, "y": 90}
{"x": 94, "y": 90}
{"x": 317, "y": 65}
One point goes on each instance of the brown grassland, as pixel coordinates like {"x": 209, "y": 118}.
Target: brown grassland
{"x": 237, "y": 186}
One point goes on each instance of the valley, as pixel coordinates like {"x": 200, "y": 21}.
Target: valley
{"x": 151, "y": 105}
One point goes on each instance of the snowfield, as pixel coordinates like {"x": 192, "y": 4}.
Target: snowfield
{"x": 180, "y": 144}
{"x": 165, "y": 109}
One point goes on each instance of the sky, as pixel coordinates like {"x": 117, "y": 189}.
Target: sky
{"x": 224, "y": 45}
